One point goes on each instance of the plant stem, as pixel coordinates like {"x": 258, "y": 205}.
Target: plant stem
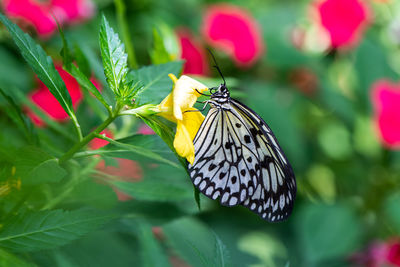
{"x": 77, "y": 127}
{"x": 120, "y": 6}
{"x": 69, "y": 154}
{"x": 70, "y": 185}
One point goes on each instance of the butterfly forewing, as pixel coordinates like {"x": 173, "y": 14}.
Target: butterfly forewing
{"x": 239, "y": 161}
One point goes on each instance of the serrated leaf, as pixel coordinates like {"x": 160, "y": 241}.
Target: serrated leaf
{"x": 48, "y": 229}
{"x": 113, "y": 55}
{"x": 156, "y": 83}
{"x": 196, "y": 244}
{"x": 35, "y": 166}
{"x": 159, "y": 190}
{"x": 41, "y": 64}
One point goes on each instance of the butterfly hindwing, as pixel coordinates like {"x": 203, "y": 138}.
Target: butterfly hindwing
{"x": 274, "y": 196}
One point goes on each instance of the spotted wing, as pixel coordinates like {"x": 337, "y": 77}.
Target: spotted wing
{"x": 275, "y": 189}
{"x": 220, "y": 168}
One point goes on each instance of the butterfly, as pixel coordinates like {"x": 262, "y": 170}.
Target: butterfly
{"x": 238, "y": 159}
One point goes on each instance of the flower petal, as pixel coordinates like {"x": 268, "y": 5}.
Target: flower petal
{"x": 344, "y": 20}
{"x": 193, "y": 52}
{"x": 386, "y": 101}
{"x": 234, "y": 31}
{"x": 185, "y": 94}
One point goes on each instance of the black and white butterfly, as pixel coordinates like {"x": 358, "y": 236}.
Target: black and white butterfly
{"x": 239, "y": 160}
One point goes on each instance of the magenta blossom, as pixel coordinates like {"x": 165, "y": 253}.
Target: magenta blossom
{"x": 39, "y": 14}
{"x": 386, "y": 102}
{"x": 193, "y": 52}
{"x": 233, "y": 30}
{"x": 379, "y": 254}
{"x": 344, "y": 20}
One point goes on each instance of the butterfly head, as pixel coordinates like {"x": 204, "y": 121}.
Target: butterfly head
{"x": 220, "y": 94}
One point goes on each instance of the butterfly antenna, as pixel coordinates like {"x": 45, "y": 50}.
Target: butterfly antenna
{"x": 216, "y": 66}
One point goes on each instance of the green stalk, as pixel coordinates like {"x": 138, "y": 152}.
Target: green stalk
{"x": 121, "y": 16}
{"x": 77, "y": 127}
{"x": 69, "y": 154}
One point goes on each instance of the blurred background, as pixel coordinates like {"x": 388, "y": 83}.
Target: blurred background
{"x": 323, "y": 74}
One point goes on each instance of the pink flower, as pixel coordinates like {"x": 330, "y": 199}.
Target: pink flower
{"x": 379, "y": 254}
{"x": 39, "y": 13}
{"x": 42, "y": 98}
{"x": 386, "y": 102}
{"x": 233, "y": 30}
{"x": 193, "y": 52}
{"x": 344, "y": 20}
{"x": 127, "y": 170}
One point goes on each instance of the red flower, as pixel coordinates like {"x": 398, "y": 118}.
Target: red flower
{"x": 39, "y": 13}
{"x": 234, "y": 31}
{"x": 344, "y": 20}
{"x": 386, "y": 101}
{"x": 127, "y": 170}
{"x": 393, "y": 255}
{"x": 193, "y": 52}
{"x": 49, "y": 104}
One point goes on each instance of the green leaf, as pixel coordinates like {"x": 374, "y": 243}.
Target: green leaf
{"x": 156, "y": 83}
{"x": 151, "y": 251}
{"x": 114, "y": 57}
{"x": 196, "y": 244}
{"x": 82, "y": 61}
{"x": 327, "y": 232}
{"x": 65, "y": 51}
{"x": 35, "y": 166}
{"x": 10, "y": 260}
{"x": 16, "y": 115}
{"x": 87, "y": 84}
{"x": 49, "y": 229}
{"x": 142, "y": 145}
{"x": 159, "y": 190}
{"x": 92, "y": 193}
{"x": 41, "y": 64}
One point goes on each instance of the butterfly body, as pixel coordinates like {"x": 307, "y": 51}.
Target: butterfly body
{"x": 239, "y": 161}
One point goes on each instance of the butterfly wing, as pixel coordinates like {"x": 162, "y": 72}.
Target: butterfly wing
{"x": 276, "y": 189}
{"x": 238, "y": 159}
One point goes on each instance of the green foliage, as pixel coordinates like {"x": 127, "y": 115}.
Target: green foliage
{"x": 155, "y": 190}
{"x": 67, "y": 202}
{"x": 41, "y": 64}
{"x": 333, "y": 235}
{"x": 34, "y": 166}
{"x": 195, "y": 243}
{"x": 155, "y": 81}
{"x": 49, "y": 229}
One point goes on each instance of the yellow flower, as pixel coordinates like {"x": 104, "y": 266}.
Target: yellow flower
{"x": 174, "y": 108}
